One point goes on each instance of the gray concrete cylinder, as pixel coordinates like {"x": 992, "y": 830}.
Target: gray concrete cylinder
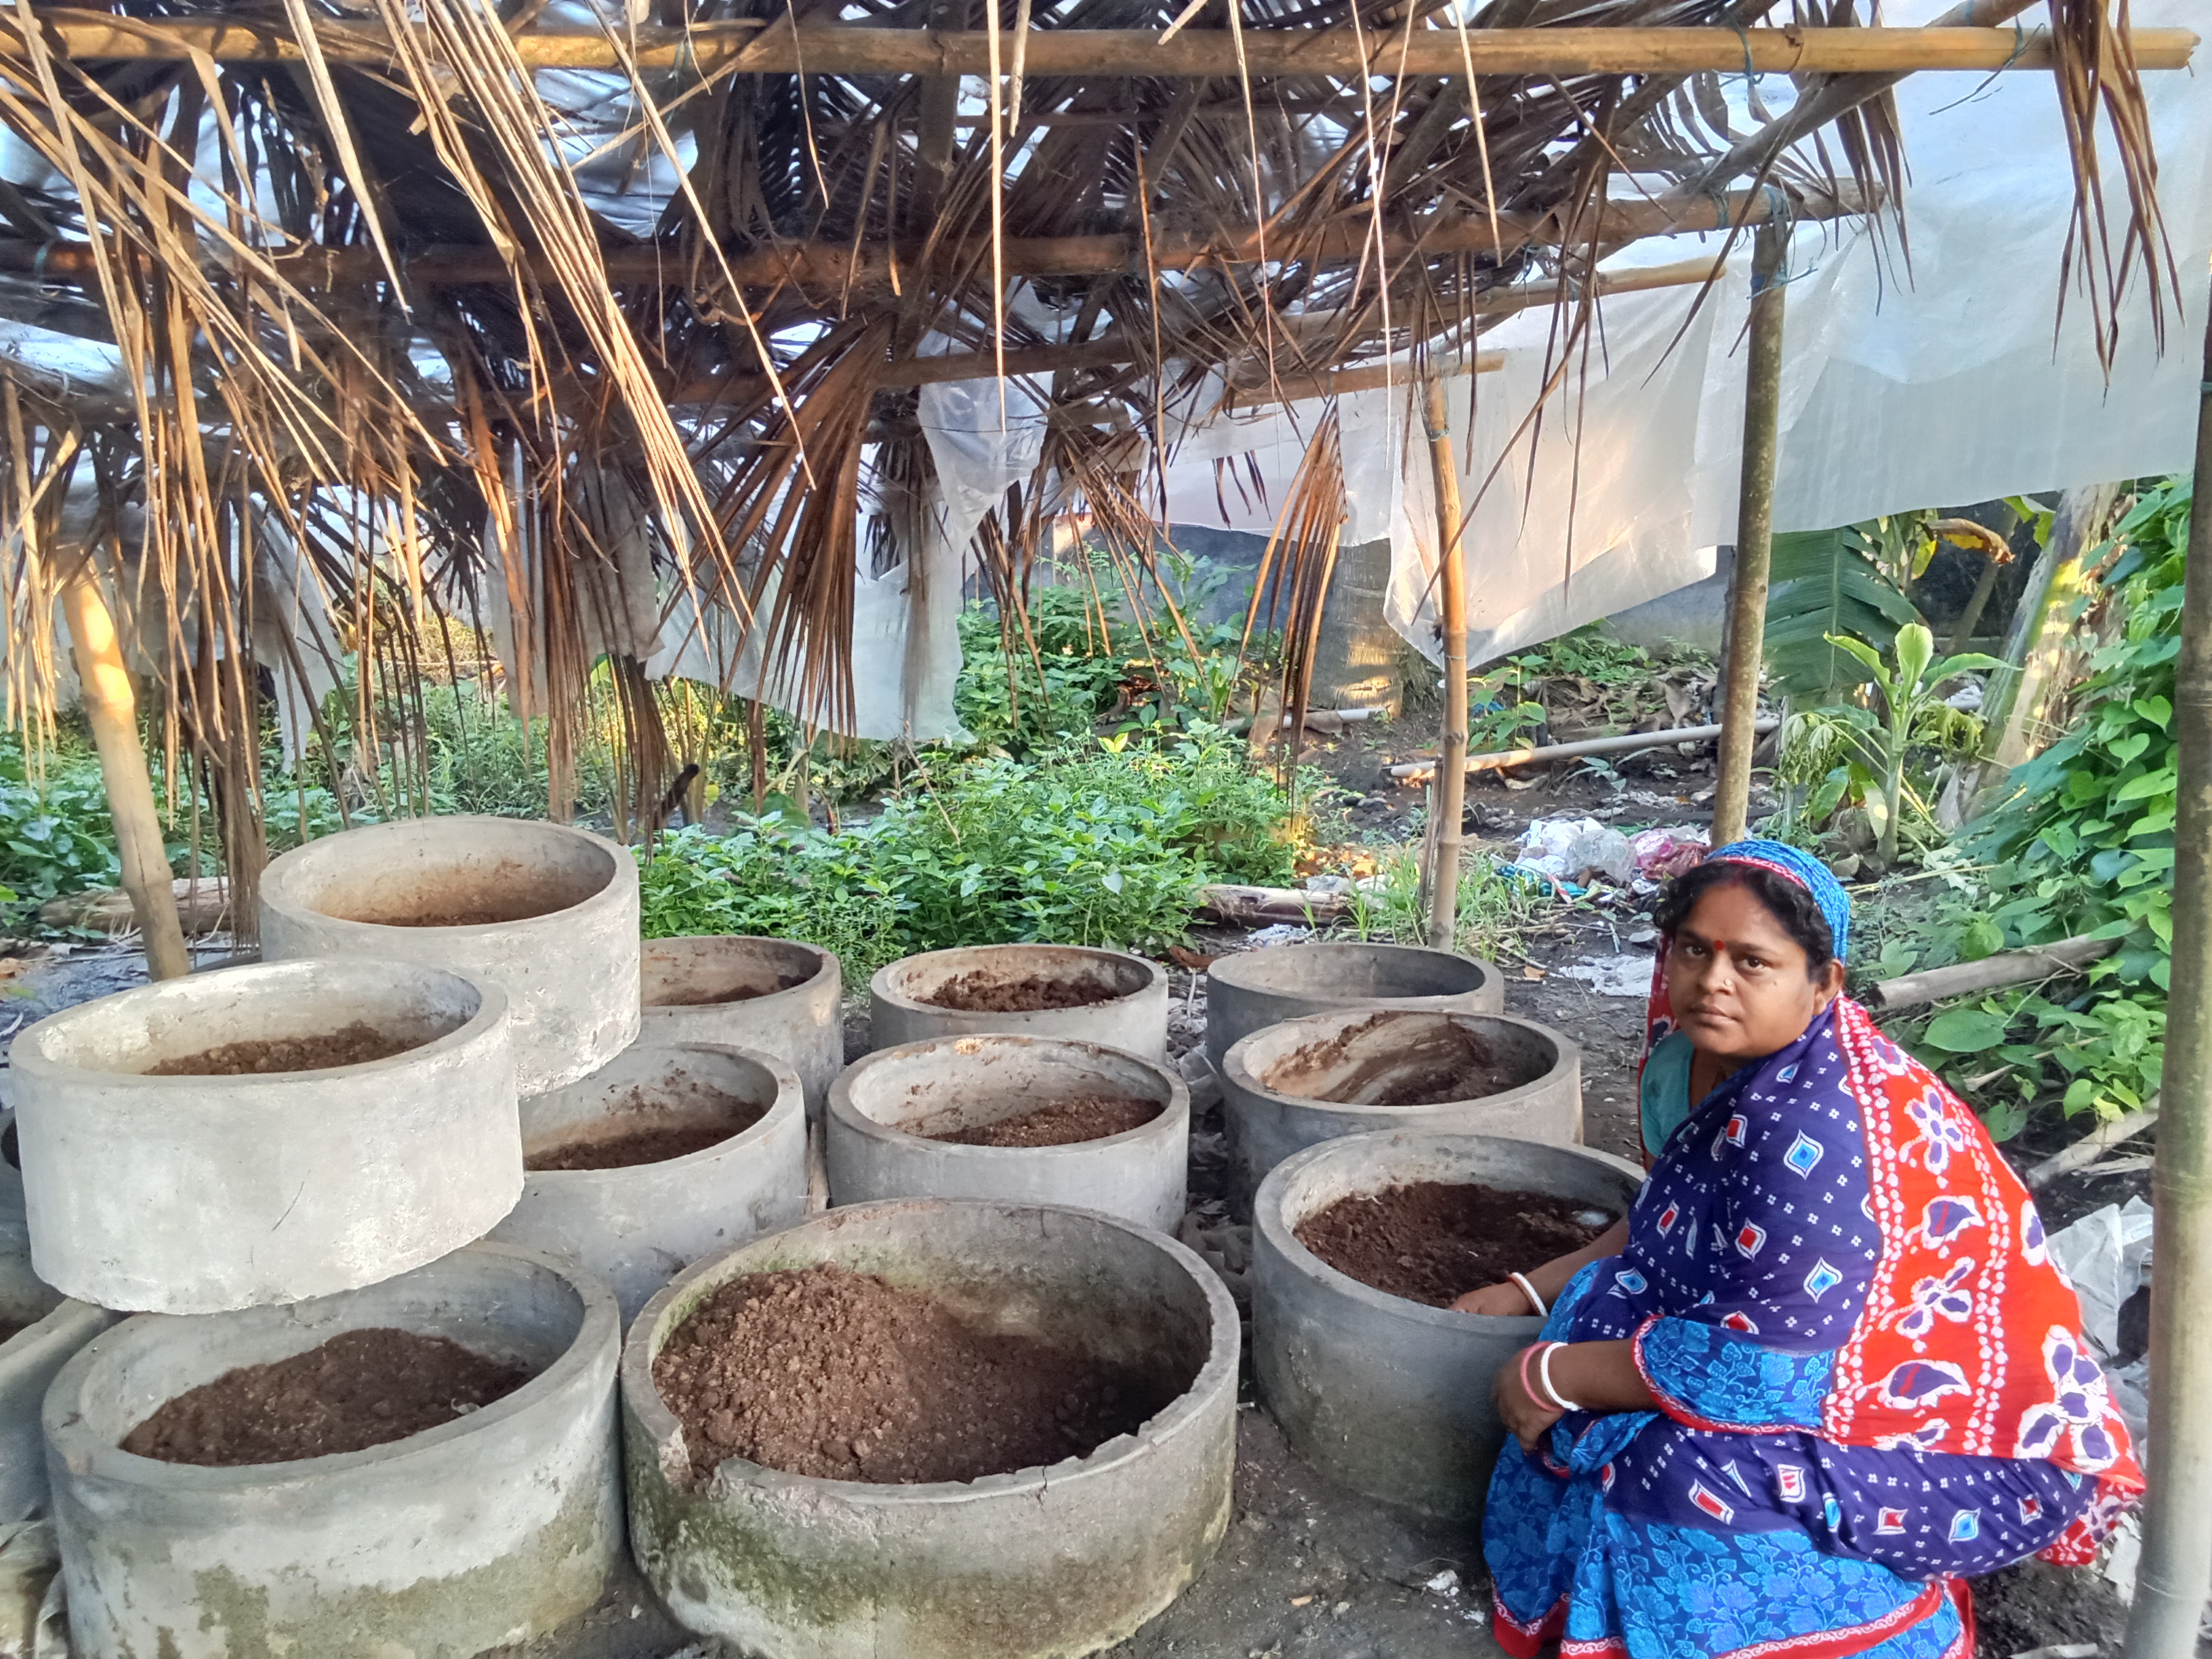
{"x": 52, "y": 1329}
{"x": 956, "y": 1083}
{"x": 1306, "y": 1080}
{"x": 1133, "y": 1015}
{"x": 776, "y": 995}
{"x": 558, "y": 928}
{"x": 488, "y": 1530}
{"x": 1390, "y": 1397}
{"x": 636, "y": 1228}
{"x": 1249, "y": 990}
{"x": 1057, "y": 1561}
{"x": 197, "y": 1194}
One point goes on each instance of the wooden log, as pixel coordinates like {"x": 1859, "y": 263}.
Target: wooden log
{"x": 203, "y": 907}
{"x": 2092, "y": 1146}
{"x": 111, "y": 708}
{"x": 836, "y": 264}
{"x": 1259, "y": 905}
{"x": 1963, "y": 979}
{"x": 1624, "y": 743}
{"x": 750, "y": 46}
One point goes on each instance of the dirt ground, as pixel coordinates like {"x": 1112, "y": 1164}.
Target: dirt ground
{"x": 1308, "y": 1572}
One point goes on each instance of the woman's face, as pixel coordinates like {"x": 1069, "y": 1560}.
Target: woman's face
{"x": 1736, "y": 980}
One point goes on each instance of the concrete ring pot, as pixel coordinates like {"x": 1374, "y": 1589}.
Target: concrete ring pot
{"x": 1388, "y": 1397}
{"x": 195, "y": 1194}
{"x": 490, "y": 1529}
{"x": 53, "y": 1327}
{"x": 1132, "y": 1016}
{"x": 637, "y": 1227}
{"x": 551, "y": 917}
{"x": 1057, "y": 1561}
{"x": 1290, "y": 1086}
{"x": 1249, "y": 990}
{"x": 777, "y": 996}
{"x": 955, "y": 1082}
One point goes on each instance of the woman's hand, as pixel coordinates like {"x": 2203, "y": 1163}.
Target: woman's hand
{"x": 1526, "y": 1417}
{"x": 1506, "y": 1301}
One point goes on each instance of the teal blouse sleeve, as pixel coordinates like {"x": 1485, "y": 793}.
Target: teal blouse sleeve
{"x": 1666, "y": 1093}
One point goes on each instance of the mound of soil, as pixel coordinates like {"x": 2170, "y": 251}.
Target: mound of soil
{"x": 980, "y": 992}
{"x": 1445, "y": 1062}
{"x": 842, "y": 1376}
{"x": 1058, "y": 1123}
{"x": 684, "y": 997}
{"x": 627, "y": 1151}
{"x": 1434, "y": 1241}
{"x": 359, "y": 1389}
{"x": 351, "y": 1045}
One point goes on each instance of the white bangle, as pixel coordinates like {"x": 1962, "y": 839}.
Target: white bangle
{"x": 1544, "y": 1376}
{"x": 1529, "y": 1291}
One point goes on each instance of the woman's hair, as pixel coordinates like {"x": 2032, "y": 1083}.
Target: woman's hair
{"x": 1791, "y": 905}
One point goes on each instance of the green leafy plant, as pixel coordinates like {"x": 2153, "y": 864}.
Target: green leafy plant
{"x": 1827, "y": 585}
{"x": 1861, "y": 754}
{"x": 55, "y": 834}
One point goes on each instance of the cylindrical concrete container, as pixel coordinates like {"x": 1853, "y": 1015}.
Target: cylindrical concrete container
{"x": 1306, "y": 1080}
{"x": 488, "y": 1530}
{"x": 547, "y": 913}
{"x": 195, "y": 1194}
{"x": 48, "y": 1329}
{"x": 773, "y": 994}
{"x": 957, "y": 1083}
{"x": 1390, "y": 1397}
{"x": 1247, "y": 991}
{"x": 1131, "y": 1015}
{"x": 1055, "y": 1561}
{"x": 639, "y": 1226}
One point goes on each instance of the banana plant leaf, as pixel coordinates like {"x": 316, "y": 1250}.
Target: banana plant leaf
{"x": 1822, "y": 586}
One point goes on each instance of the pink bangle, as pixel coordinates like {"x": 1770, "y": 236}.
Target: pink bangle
{"x": 1527, "y": 1387}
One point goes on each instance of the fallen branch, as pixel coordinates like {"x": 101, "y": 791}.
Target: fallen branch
{"x": 1260, "y": 906}
{"x": 2006, "y": 968}
{"x": 202, "y": 907}
{"x": 1625, "y": 743}
{"x": 2093, "y": 1146}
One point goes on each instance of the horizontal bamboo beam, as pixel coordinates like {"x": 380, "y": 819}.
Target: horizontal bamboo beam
{"x": 752, "y": 46}
{"x": 843, "y": 266}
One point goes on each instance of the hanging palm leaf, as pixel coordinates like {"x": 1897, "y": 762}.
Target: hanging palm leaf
{"x": 1825, "y": 583}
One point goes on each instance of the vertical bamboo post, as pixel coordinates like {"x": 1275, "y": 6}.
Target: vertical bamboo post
{"x": 1450, "y": 797}
{"x": 112, "y": 708}
{"x": 2175, "y": 1573}
{"x": 1754, "y": 537}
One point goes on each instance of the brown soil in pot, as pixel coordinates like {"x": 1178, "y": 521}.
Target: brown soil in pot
{"x": 980, "y": 991}
{"x": 1058, "y": 1123}
{"x": 628, "y": 1151}
{"x": 1445, "y": 1062}
{"x": 1434, "y": 1241}
{"x": 701, "y": 997}
{"x": 351, "y": 1045}
{"x": 359, "y": 1389}
{"x": 826, "y": 1372}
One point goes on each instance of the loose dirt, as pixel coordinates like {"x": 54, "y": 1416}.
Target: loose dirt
{"x": 1061, "y": 1123}
{"x": 1443, "y": 1062}
{"x": 686, "y": 998}
{"x": 1433, "y": 1241}
{"x": 825, "y": 1372}
{"x": 351, "y": 1045}
{"x": 627, "y": 1151}
{"x": 978, "y": 992}
{"x": 359, "y": 1389}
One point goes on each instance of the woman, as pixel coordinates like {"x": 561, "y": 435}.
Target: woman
{"x": 1823, "y": 1371}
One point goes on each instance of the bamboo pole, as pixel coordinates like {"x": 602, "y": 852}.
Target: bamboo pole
{"x": 1624, "y": 743}
{"x": 752, "y": 46}
{"x": 1754, "y": 537}
{"x": 112, "y": 708}
{"x": 868, "y": 265}
{"x": 1449, "y": 793}
{"x": 2175, "y": 1573}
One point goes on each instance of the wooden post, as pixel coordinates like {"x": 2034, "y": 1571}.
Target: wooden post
{"x": 112, "y": 708}
{"x": 1450, "y": 795}
{"x": 2042, "y": 630}
{"x": 1754, "y": 537}
{"x": 2175, "y": 1570}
